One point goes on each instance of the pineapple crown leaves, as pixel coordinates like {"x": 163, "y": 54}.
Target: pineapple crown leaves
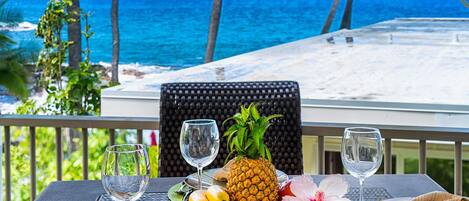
{"x": 246, "y": 135}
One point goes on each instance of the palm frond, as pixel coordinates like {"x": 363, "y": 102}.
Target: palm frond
{"x": 12, "y": 73}
{"x": 13, "y": 78}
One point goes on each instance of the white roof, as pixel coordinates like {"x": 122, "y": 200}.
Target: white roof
{"x": 401, "y": 60}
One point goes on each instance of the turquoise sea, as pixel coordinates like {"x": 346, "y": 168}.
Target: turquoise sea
{"x": 174, "y": 32}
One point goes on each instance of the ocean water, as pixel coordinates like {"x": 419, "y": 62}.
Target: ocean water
{"x": 174, "y": 32}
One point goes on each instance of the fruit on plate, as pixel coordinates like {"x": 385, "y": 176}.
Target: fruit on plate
{"x": 285, "y": 189}
{"x": 217, "y": 193}
{"x": 213, "y": 193}
{"x": 222, "y": 173}
{"x": 252, "y": 176}
{"x": 198, "y": 195}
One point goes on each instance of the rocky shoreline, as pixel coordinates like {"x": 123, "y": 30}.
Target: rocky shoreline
{"x": 127, "y": 73}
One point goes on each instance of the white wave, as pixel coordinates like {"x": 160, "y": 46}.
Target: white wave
{"x": 134, "y": 71}
{"x": 22, "y": 26}
{"x": 147, "y": 69}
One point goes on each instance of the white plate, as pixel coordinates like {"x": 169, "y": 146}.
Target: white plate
{"x": 208, "y": 180}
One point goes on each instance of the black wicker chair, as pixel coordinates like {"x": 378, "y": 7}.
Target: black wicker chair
{"x": 220, "y": 100}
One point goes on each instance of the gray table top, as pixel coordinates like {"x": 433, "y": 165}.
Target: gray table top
{"x": 409, "y": 185}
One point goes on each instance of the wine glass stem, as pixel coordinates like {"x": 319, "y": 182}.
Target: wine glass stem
{"x": 199, "y": 174}
{"x": 361, "y": 188}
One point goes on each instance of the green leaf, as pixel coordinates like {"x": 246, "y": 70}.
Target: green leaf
{"x": 262, "y": 150}
{"x": 230, "y": 130}
{"x": 229, "y": 156}
{"x": 238, "y": 147}
{"x": 256, "y": 137}
{"x": 270, "y": 117}
{"x": 269, "y": 156}
{"x": 230, "y": 142}
{"x": 232, "y": 145}
{"x": 255, "y": 114}
{"x": 241, "y": 136}
{"x": 249, "y": 144}
{"x": 237, "y": 117}
{"x": 244, "y": 113}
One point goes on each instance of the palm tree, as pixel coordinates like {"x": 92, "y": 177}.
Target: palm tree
{"x": 330, "y": 17}
{"x": 347, "y": 18}
{"x": 13, "y": 76}
{"x": 213, "y": 30}
{"x": 74, "y": 34}
{"x": 115, "y": 42}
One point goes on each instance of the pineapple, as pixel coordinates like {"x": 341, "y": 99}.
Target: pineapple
{"x": 251, "y": 174}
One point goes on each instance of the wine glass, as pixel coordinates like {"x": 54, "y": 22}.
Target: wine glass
{"x": 125, "y": 172}
{"x": 362, "y": 152}
{"x": 199, "y": 143}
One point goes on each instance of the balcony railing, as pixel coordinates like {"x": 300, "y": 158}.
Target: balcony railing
{"x": 321, "y": 130}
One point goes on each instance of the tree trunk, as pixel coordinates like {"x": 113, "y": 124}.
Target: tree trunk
{"x": 330, "y": 17}
{"x": 74, "y": 34}
{"x": 213, "y": 30}
{"x": 115, "y": 42}
{"x": 347, "y": 18}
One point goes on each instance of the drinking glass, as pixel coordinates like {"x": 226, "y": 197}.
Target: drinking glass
{"x": 125, "y": 171}
{"x": 199, "y": 143}
{"x": 362, "y": 152}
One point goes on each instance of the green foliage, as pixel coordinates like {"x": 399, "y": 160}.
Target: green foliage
{"x": 82, "y": 93}
{"x": 246, "y": 135}
{"x": 80, "y": 96}
{"x": 12, "y": 74}
{"x": 46, "y": 161}
{"x": 49, "y": 28}
{"x": 29, "y": 107}
{"x": 153, "y": 154}
{"x": 441, "y": 170}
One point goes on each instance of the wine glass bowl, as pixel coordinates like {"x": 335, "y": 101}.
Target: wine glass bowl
{"x": 199, "y": 143}
{"x": 125, "y": 171}
{"x": 362, "y": 152}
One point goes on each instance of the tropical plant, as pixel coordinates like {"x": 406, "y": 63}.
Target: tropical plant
{"x": 246, "y": 136}
{"x": 252, "y": 163}
{"x": 115, "y": 42}
{"x": 81, "y": 95}
{"x": 46, "y": 161}
{"x": 12, "y": 73}
{"x": 50, "y": 28}
{"x": 213, "y": 30}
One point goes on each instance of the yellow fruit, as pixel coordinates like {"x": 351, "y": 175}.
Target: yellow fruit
{"x": 252, "y": 176}
{"x": 198, "y": 195}
{"x": 217, "y": 193}
{"x": 251, "y": 179}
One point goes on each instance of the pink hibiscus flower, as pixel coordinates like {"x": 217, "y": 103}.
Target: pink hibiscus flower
{"x": 332, "y": 188}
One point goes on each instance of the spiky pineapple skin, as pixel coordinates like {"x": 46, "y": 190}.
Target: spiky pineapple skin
{"x": 251, "y": 180}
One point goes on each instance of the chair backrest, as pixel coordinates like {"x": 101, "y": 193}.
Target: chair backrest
{"x": 220, "y": 100}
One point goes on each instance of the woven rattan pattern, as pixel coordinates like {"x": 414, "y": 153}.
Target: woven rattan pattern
{"x": 182, "y": 101}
